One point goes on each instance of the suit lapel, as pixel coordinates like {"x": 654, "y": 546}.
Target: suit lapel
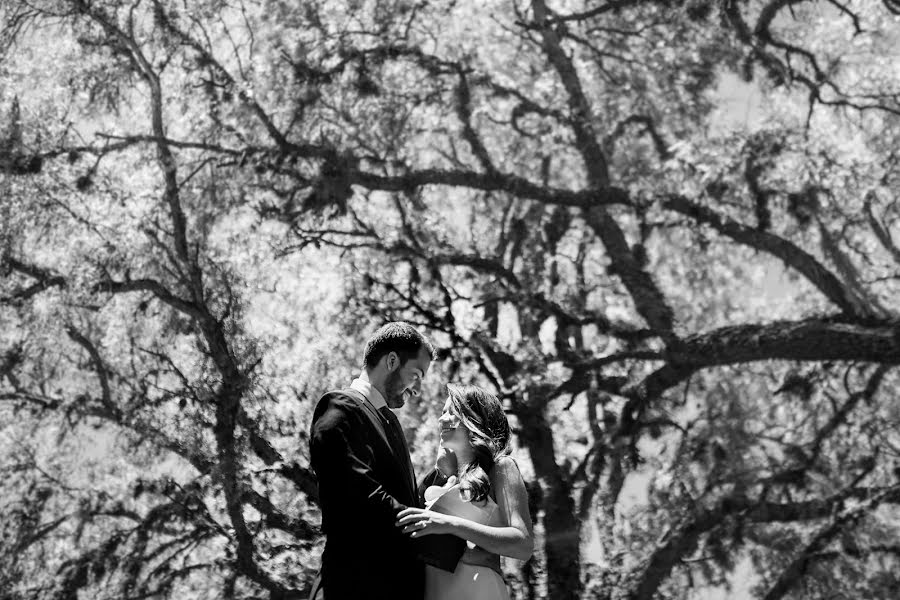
{"x": 408, "y": 458}
{"x": 405, "y": 462}
{"x": 370, "y": 410}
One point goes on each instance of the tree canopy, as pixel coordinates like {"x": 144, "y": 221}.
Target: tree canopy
{"x": 688, "y": 307}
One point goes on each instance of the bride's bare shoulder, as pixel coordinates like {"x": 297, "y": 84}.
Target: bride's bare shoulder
{"x": 505, "y": 470}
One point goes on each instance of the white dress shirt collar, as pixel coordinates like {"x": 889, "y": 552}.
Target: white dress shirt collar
{"x": 368, "y": 390}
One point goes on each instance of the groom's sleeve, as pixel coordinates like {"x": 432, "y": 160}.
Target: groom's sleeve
{"x": 341, "y": 457}
{"x": 435, "y": 477}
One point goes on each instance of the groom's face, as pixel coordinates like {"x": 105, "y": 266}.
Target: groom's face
{"x": 405, "y": 380}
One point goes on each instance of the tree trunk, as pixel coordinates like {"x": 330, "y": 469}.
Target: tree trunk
{"x": 562, "y": 529}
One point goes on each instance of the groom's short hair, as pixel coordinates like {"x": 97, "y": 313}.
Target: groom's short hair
{"x": 399, "y": 337}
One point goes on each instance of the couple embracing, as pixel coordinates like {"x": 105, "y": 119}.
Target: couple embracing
{"x": 387, "y": 537}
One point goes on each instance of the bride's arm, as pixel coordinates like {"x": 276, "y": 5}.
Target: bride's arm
{"x": 514, "y": 539}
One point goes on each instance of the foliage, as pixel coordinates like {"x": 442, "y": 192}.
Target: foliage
{"x": 207, "y": 205}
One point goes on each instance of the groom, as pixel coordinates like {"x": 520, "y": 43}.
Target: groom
{"x": 359, "y": 454}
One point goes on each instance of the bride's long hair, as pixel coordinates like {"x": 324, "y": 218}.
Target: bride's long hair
{"x": 482, "y": 414}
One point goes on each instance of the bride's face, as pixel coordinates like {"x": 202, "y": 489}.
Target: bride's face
{"x": 454, "y": 435}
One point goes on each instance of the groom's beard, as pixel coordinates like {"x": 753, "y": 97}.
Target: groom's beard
{"x": 395, "y": 395}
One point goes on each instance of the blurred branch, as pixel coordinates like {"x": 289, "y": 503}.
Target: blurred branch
{"x": 464, "y": 112}
{"x": 659, "y": 144}
{"x": 795, "y": 571}
{"x": 840, "y": 416}
{"x": 277, "y": 519}
{"x": 813, "y": 339}
{"x": 881, "y": 231}
{"x": 601, "y": 9}
{"x": 302, "y": 477}
{"x": 405, "y": 180}
{"x": 858, "y": 552}
{"x": 790, "y": 254}
{"x": 168, "y": 24}
{"x": 816, "y": 339}
{"x": 648, "y": 299}
{"x": 234, "y": 380}
{"x": 591, "y": 467}
{"x": 782, "y": 71}
{"x": 849, "y": 273}
{"x": 683, "y": 538}
{"x": 512, "y": 184}
{"x": 99, "y": 366}
{"x": 45, "y": 281}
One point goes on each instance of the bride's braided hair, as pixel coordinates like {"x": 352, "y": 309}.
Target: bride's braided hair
{"x": 482, "y": 414}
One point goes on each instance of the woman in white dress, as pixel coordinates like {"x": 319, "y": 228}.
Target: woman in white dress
{"x": 484, "y": 501}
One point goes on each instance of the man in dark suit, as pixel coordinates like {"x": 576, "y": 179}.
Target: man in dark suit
{"x": 359, "y": 454}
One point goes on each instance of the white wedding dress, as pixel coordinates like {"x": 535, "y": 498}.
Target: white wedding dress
{"x": 469, "y": 581}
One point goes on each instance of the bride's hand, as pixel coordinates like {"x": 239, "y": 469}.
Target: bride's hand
{"x": 417, "y": 522}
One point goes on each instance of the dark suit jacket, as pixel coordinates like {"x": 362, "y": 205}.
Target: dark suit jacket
{"x": 362, "y": 487}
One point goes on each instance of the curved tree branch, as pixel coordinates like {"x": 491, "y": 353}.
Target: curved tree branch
{"x": 790, "y": 254}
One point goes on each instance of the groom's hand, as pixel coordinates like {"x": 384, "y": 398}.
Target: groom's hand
{"x": 445, "y": 462}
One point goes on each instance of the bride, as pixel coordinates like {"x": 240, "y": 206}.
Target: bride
{"x": 483, "y": 502}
